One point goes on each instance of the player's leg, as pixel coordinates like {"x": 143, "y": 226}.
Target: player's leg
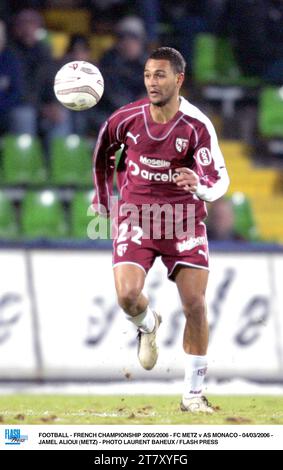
{"x": 129, "y": 282}
{"x": 191, "y": 283}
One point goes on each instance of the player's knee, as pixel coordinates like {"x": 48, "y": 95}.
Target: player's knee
{"x": 128, "y": 296}
{"x": 195, "y": 306}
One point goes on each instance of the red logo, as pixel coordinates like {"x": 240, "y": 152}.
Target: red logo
{"x": 204, "y": 156}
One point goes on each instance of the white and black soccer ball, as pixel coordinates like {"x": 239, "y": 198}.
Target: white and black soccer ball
{"x": 78, "y": 85}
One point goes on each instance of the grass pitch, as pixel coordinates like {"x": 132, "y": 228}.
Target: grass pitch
{"x": 143, "y": 409}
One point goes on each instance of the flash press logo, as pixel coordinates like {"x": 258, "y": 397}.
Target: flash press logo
{"x": 14, "y": 437}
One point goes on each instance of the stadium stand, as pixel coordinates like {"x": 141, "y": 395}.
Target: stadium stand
{"x": 68, "y": 20}
{"x": 245, "y": 224}
{"x": 8, "y": 218}
{"x": 259, "y": 185}
{"x": 99, "y": 44}
{"x": 43, "y": 216}
{"x": 23, "y": 160}
{"x": 81, "y": 215}
{"x": 270, "y": 113}
{"x": 269, "y": 141}
{"x": 59, "y": 41}
{"x": 218, "y": 76}
{"x": 252, "y": 188}
{"x": 211, "y": 65}
{"x": 78, "y": 213}
{"x": 71, "y": 161}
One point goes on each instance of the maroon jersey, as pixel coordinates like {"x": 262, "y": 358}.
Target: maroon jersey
{"x": 151, "y": 154}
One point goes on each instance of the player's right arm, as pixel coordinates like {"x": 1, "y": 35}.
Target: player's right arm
{"x": 211, "y": 169}
{"x": 103, "y": 167}
{"x": 208, "y": 179}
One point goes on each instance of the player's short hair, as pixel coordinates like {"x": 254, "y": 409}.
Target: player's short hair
{"x": 175, "y": 58}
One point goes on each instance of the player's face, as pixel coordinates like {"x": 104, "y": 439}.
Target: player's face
{"x": 161, "y": 81}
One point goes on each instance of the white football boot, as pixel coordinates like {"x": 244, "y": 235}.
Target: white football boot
{"x": 196, "y": 405}
{"x": 147, "y": 348}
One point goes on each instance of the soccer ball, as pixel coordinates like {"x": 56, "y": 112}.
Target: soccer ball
{"x": 78, "y": 85}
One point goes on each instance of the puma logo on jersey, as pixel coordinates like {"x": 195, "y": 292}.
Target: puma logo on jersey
{"x": 135, "y": 138}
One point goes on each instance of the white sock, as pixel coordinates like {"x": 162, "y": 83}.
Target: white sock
{"x": 195, "y": 370}
{"x": 145, "y": 321}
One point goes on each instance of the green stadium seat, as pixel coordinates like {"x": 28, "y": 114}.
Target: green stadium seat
{"x": 118, "y": 155}
{"x": 205, "y": 59}
{"x": 8, "y": 219}
{"x": 270, "y": 112}
{"x": 84, "y": 221}
{"x": 43, "y": 215}
{"x": 23, "y": 160}
{"x": 244, "y": 219}
{"x": 71, "y": 161}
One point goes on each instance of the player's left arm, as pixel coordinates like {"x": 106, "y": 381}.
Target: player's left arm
{"x": 103, "y": 167}
{"x": 210, "y": 179}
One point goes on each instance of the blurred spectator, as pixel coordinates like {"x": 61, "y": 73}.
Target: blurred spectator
{"x": 214, "y": 10}
{"x": 10, "y": 7}
{"x": 33, "y": 54}
{"x": 187, "y": 18}
{"x": 88, "y": 121}
{"x": 150, "y": 12}
{"x": 5, "y": 10}
{"x": 39, "y": 112}
{"x": 68, "y": 122}
{"x": 15, "y": 5}
{"x": 220, "y": 221}
{"x": 10, "y": 83}
{"x": 123, "y": 65}
{"x": 105, "y": 13}
{"x": 256, "y": 30}
{"x": 78, "y": 49}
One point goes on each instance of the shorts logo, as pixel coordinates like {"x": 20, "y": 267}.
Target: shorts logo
{"x": 121, "y": 249}
{"x": 181, "y": 144}
{"x": 204, "y": 156}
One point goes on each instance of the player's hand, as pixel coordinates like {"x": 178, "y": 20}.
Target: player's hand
{"x": 187, "y": 179}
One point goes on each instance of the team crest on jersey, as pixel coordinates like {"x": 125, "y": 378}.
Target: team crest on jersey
{"x": 181, "y": 144}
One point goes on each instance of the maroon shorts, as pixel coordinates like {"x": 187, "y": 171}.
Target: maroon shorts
{"x": 131, "y": 247}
